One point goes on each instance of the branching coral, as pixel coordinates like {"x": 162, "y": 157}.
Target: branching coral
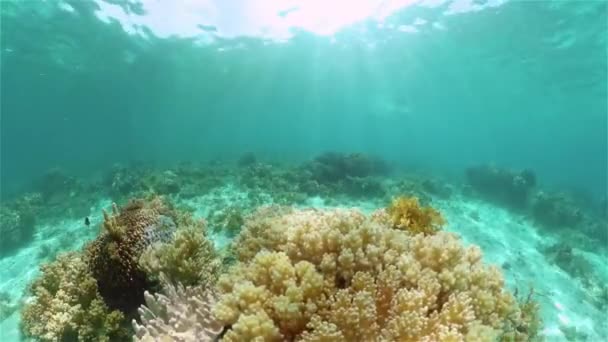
{"x": 113, "y": 256}
{"x": 337, "y": 275}
{"x": 259, "y": 232}
{"x": 124, "y": 181}
{"x": 188, "y": 259}
{"x": 407, "y": 214}
{"x": 529, "y": 324}
{"x": 169, "y": 183}
{"x": 111, "y": 225}
{"x": 67, "y": 306}
{"x": 277, "y": 182}
{"x": 182, "y": 314}
{"x": 229, "y": 219}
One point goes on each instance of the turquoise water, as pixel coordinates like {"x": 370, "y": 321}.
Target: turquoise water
{"x": 517, "y": 83}
{"x": 179, "y": 94}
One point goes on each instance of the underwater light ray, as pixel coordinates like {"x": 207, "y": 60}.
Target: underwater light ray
{"x": 269, "y": 19}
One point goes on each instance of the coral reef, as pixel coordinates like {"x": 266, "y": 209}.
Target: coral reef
{"x": 502, "y": 186}
{"x": 410, "y": 186}
{"x": 436, "y": 188}
{"x": 280, "y": 184}
{"x": 28, "y": 203}
{"x": 66, "y": 306}
{"x": 597, "y": 293}
{"x": 352, "y": 175}
{"x": 113, "y": 256}
{"x": 85, "y": 296}
{"x": 186, "y": 180}
{"x": 563, "y": 256}
{"x": 577, "y": 266}
{"x": 188, "y": 259}
{"x": 7, "y": 306}
{"x": 349, "y": 174}
{"x": 229, "y": 219}
{"x": 46, "y": 251}
{"x": 124, "y": 181}
{"x": 420, "y": 186}
{"x": 17, "y": 228}
{"x": 57, "y": 191}
{"x": 190, "y": 307}
{"x": 529, "y": 322}
{"x": 166, "y": 182}
{"x": 197, "y": 181}
{"x": 555, "y": 210}
{"x": 18, "y": 219}
{"x": 55, "y": 185}
{"x": 407, "y": 214}
{"x": 363, "y": 187}
{"x": 315, "y": 275}
{"x": 565, "y": 213}
{"x": 331, "y": 167}
{"x": 258, "y": 175}
{"x": 260, "y": 231}
{"x": 246, "y": 160}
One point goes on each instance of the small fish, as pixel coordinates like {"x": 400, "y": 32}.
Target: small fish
{"x": 87, "y": 222}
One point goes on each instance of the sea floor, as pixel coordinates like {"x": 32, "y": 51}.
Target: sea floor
{"x": 508, "y": 240}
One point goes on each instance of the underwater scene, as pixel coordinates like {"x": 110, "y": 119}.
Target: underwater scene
{"x": 304, "y": 170}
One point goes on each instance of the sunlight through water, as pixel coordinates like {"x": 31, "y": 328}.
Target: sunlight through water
{"x": 270, "y": 19}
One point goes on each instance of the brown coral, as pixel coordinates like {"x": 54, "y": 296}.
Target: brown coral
{"x": 337, "y": 275}
{"x": 67, "y": 306}
{"x": 406, "y": 213}
{"x": 113, "y": 256}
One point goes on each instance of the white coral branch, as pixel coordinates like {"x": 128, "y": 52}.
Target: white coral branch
{"x": 181, "y": 314}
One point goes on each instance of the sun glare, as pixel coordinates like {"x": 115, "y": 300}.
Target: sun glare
{"x": 273, "y": 19}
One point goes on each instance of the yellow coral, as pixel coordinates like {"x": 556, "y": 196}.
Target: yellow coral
{"x": 111, "y": 223}
{"x": 274, "y": 285}
{"x": 255, "y": 327}
{"x": 189, "y": 259}
{"x": 259, "y": 232}
{"x": 406, "y": 213}
{"x": 337, "y": 275}
{"x": 67, "y": 306}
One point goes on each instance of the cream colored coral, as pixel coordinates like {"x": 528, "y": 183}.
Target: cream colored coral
{"x": 66, "y": 304}
{"x": 181, "y": 314}
{"x": 338, "y": 276}
{"x": 255, "y": 327}
{"x": 274, "y": 285}
{"x": 260, "y": 231}
{"x": 189, "y": 258}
